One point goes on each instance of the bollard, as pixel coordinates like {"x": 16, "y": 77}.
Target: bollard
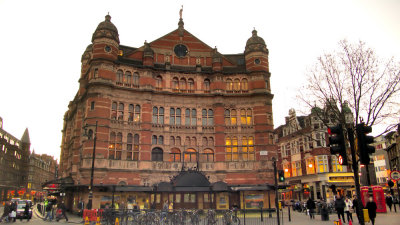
{"x": 262, "y": 218}
{"x": 290, "y": 220}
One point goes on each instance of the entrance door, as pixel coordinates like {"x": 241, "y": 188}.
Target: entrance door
{"x": 234, "y": 199}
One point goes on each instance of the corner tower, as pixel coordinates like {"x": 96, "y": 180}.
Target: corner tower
{"x": 256, "y": 54}
{"x": 105, "y": 40}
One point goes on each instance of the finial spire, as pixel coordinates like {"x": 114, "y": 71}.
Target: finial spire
{"x": 180, "y": 12}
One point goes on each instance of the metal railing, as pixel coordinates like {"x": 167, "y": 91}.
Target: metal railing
{"x": 187, "y": 217}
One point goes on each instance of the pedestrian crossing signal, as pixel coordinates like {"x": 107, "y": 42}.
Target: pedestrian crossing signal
{"x": 281, "y": 176}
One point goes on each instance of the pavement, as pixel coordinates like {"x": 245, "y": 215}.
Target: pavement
{"x": 390, "y": 218}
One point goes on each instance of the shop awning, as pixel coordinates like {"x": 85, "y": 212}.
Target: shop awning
{"x": 252, "y": 188}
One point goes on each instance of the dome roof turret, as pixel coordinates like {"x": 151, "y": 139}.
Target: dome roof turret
{"x": 255, "y": 43}
{"x": 106, "y": 29}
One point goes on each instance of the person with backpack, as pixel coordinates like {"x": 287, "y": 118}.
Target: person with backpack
{"x": 311, "y": 208}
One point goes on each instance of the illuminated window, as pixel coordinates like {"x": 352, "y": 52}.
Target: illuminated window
{"x": 296, "y": 168}
{"x": 244, "y": 85}
{"x": 132, "y": 147}
{"x": 231, "y": 148}
{"x": 111, "y": 146}
{"x": 175, "y": 155}
{"x": 229, "y": 85}
{"x": 208, "y": 155}
{"x": 336, "y": 167}
{"x": 322, "y": 164}
{"x": 310, "y": 164}
{"x": 236, "y": 85}
{"x": 190, "y": 155}
{"x": 182, "y": 84}
{"x": 286, "y": 169}
{"x": 230, "y": 117}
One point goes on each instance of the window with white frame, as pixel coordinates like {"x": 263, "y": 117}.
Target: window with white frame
{"x": 336, "y": 167}
{"x": 322, "y": 163}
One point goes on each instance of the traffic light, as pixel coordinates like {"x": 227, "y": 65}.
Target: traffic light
{"x": 363, "y": 142}
{"x": 281, "y": 176}
{"x": 337, "y": 144}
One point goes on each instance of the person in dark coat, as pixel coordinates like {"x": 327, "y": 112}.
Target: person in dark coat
{"x": 339, "y": 206}
{"x": 6, "y": 212}
{"x": 26, "y": 211}
{"x": 61, "y": 206}
{"x": 355, "y": 207}
{"x": 311, "y": 207}
{"x": 389, "y": 201}
{"x": 371, "y": 206}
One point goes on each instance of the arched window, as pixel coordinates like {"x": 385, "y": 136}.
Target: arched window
{"x": 130, "y": 111}
{"x": 158, "y": 82}
{"x": 121, "y": 111}
{"x": 96, "y": 73}
{"x": 187, "y": 117}
{"x": 178, "y": 141}
{"x": 111, "y": 146}
{"x": 228, "y": 148}
{"x": 235, "y": 154}
{"x": 128, "y": 78}
{"x": 120, "y": 76}
{"x": 182, "y": 84}
{"x": 171, "y": 140}
{"x": 229, "y": 85}
{"x": 135, "y": 147}
{"x": 114, "y": 111}
{"x": 175, "y": 155}
{"x": 154, "y": 140}
{"x": 157, "y": 155}
{"x": 191, "y": 85}
{"x": 187, "y": 141}
{"x": 158, "y": 115}
{"x": 227, "y": 117}
{"x": 236, "y": 85}
{"x": 190, "y": 155}
{"x": 245, "y": 149}
{"x": 249, "y": 117}
{"x": 129, "y": 147}
{"x": 244, "y": 85}
{"x": 208, "y": 155}
{"x": 243, "y": 116}
{"x": 207, "y": 85}
{"x": 207, "y": 117}
{"x": 175, "y": 84}
{"x": 210, "y": 141}
{"x": 194, "y": 117}
{"x": 136, "y": 79}
{"x": 204, "y": 141}
{"x": 172, "y": 116}
{"x": 175, "y": 116}
{"x": 251, "y": 149}
{"x": 118, "y": 149}
{"x": 193, "y": 141}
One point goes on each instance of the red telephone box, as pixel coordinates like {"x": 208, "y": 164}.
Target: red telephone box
{"x": 378, "y": 196}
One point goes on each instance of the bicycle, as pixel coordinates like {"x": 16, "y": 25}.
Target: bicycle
{"x": 211, "y": 217}
{"x": 230, "y": 218}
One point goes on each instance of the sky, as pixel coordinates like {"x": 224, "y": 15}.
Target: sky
{"x": 43, "y": 41}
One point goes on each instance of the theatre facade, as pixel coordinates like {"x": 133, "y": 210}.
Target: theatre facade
{"x": 173, "y": 120}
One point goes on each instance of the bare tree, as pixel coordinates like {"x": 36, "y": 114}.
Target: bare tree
{"x": 354, "y": 78}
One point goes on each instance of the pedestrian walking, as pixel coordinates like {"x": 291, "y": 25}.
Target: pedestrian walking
{"x": 348, "y": 209}
{"x": 389, "y": 201}
{"x": 61, "y": 210}
{"x": 371, "y": 206}
{"x": 355, "y": 207}
{"x": 339, "y": 206}
{"x": 6, "y": 212}
{"x": 311, "y": 208}
{"x": 26, "y": 211}
{"x": 49, "y": 214}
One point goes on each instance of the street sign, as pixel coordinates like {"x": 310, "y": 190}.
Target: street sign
{"x": 395, "y": 175}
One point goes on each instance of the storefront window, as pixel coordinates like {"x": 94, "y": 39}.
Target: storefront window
{"x": 254, "y": 201}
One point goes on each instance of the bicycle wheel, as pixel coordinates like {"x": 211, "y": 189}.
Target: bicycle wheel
{"x": 235, "y": 220}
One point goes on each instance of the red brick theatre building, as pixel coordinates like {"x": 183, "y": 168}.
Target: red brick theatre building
{"x": 176, "y": 120}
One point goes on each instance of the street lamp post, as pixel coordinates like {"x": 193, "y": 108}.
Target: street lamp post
{"x": 89, "y": 206}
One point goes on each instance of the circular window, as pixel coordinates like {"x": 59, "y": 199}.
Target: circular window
{"x": 107, "y": 48}
{"x": 180, "y": 50}
{"x": 257, "y": 61}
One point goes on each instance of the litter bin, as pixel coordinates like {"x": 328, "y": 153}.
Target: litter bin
{"x": 324, "y": 214}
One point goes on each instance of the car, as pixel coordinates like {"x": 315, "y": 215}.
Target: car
{"x": 21, "y": 209}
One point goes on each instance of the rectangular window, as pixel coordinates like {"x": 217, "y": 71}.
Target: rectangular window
{"x": 322, "y": 163}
